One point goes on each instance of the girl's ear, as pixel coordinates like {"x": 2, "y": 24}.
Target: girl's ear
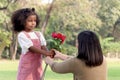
{"x": 33, "y": 9}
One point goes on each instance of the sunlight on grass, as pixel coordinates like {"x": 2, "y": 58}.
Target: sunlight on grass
{"x": 113, "y": 69}
{"x": 8, "y": 71}
{"x": 54, "y": 76}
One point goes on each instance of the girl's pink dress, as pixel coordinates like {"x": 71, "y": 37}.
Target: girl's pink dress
{"x": 30, "y": 65}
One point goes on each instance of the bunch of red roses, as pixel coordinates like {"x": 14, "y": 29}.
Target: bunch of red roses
{"x": 59, "y": 36}
{"x": 56, "y": 41}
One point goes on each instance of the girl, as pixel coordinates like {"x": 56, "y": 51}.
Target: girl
{"x": 32, "y": 43}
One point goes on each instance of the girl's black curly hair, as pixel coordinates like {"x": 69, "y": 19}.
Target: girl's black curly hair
{"x": 19, "y": 17}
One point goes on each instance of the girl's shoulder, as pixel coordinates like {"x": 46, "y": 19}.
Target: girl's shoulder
{"x": 21, "y": 33}
{"x": 38, "y": 32}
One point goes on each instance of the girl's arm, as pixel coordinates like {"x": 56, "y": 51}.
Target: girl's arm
{"x": 41, "y": 51}
{"x": 44, "y": 48}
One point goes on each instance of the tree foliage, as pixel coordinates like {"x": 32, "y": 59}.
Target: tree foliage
{"x": 68, "y": 17}
{"x": 109, "y": 13}
{"x": 4, "y": 40}
{"x": 109, "y": 46}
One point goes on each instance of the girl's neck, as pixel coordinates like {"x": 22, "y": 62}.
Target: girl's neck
{"x": 28, "y": 30}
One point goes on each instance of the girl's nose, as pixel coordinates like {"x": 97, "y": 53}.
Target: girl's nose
{"x": 34, "y": 22}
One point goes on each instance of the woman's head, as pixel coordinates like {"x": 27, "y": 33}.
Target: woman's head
{"x": 89, "y": 48}
{"x": 20, "y": 17}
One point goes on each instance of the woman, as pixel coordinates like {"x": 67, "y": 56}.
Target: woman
{"x": 89, "y": 64}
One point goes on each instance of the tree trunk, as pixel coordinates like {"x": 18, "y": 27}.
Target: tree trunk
{"x": 13, "y": 47}
{"x": 47, "y": 17}
{"x": 117, "y": 54}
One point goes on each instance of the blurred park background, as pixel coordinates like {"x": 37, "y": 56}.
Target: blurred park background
{"x": 68, "y": 17}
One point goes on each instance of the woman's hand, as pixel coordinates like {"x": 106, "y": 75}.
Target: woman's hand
{"x": 51, "y": 53}
{"x": 48, "y": 60}
{"x": 59, "y": 55}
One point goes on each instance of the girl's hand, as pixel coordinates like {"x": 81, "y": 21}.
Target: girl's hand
{"x": 52, "y": 53}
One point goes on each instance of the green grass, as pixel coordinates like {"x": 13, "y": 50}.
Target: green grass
{"x": 8, "y": 71}
{"x": 114, "y": 70}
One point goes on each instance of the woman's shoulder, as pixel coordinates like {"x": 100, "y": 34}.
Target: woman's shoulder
{"x": 76, "y": 60}
{"x": 104, "y": 60}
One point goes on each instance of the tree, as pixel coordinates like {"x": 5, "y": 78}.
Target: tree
{"x": 109, "y": 13}
{"x": 110, "y": 48}
{"x": 4, "y": 40}
{"x": 74, "y": 16}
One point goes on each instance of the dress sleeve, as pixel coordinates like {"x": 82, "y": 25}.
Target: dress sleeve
{"x": 66, "y": 66}
{"x": 42, "y": 39}
{"x": 24, "y": 42}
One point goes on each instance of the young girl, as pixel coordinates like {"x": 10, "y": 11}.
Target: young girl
{"x": 32, "y": 43}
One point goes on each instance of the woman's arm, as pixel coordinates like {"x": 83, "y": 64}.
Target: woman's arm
{"x": 49, "y": 61}
{"x": 60, "y": 55}
{"x": 66, "y": 66}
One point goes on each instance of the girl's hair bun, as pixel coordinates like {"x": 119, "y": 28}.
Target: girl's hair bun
{"x": 33, "y": 9}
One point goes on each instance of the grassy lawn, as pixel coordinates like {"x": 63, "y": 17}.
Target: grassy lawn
{"x": 114, "y": 69}
{"x": 8, "y": 70}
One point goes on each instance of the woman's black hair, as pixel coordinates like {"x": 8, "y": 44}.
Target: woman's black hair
{"x": 19, "y": 17}
{"x": 89, "y": 49}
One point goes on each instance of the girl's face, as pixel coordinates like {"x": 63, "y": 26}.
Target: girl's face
{"x": 30, "y": 23}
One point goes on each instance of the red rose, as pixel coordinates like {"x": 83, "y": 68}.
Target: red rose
{"x": 56, "y": 41}
{"x": 59, "y": 36}
{"x": 54, "y": 35}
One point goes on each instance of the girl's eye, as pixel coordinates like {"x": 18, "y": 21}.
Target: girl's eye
{"x": 32, "y": 20}
{"x": 29, "y": 20}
